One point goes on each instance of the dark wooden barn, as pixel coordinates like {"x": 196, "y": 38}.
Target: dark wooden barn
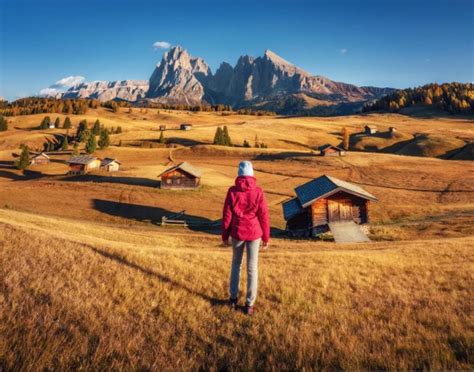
{"x": 185, "y": 126}
{"x": 322, "y": 201}
{"x": 370, "y": 129}
{"x": 181, "y": 176}
{"x": 330, "y": 150}
{"x": 82, "y": 164}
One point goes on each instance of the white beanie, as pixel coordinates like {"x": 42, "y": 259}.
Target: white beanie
{"x": 245, "y": 168}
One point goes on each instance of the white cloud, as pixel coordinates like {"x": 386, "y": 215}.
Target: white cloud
{"x": 61, "y": 85}
{"x": 343, "y": 51}
{"x": 161, "y": 45}
{"x": 49, "y": 92}
{"x": 68, "y": 82}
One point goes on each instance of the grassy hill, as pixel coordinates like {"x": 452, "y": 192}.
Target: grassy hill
{"x": 86, "y": 296}
{"x": 140, "y": 128}
{"x": 89, "y": 280}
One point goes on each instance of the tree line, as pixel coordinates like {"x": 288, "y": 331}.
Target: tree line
{"x": 78, "y": 106}
{"x": 455, "y": 98}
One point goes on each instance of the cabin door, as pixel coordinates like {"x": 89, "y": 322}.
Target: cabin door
{"x": 339, "y": 210}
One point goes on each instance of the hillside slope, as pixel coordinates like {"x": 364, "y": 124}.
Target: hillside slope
{"x": 95, "y": 296}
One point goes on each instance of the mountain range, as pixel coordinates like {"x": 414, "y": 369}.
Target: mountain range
{"x": 268, "y": 83}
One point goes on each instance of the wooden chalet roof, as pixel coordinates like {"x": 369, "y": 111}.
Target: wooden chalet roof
{"x": 328, "y": 146}
{"x": 107, "y": 161}
{"x": 324, "y": 186}
{"x": 291, "y": 208}
{"x": 186, "y": 167}
{"x": 41, "y": 154}
{"x": 81, "y": 159}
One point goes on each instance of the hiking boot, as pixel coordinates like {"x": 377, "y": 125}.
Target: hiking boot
{"x": 249, "y": 310}
{"x": 233, "y": 303}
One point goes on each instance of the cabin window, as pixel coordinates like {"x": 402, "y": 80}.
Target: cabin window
{"x": 168, "y": 181}
{"x": 178, "y": 181}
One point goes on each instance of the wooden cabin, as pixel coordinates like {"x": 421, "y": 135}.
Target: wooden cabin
{"x": 370, "y": 129}
{"x": 392, "y": 129}
{"x": 330, "y": 150}
{"x": 40, "y": 159}
{"x": 181, "y": 176}
{"x": 162, "y": 128}
{"x": 110, "y": 164}
{"x": 82, "y": 164}
{"x": 185, "y": 126}
{"x": 51, "y": 126}
{"x": 322, "y": 201}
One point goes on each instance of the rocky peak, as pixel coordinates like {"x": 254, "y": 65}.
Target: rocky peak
{"x": 179, "y": 77}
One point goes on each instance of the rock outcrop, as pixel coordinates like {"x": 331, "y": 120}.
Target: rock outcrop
{"x": 127, "y": 90}
{"x": 179, "y": 78}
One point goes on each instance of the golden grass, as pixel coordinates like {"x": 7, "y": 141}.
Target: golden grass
{"x": 86, "y": 281}
{"x": 82, "y": 296}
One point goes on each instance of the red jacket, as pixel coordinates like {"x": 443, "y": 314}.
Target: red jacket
{"x": 245, "y": 215}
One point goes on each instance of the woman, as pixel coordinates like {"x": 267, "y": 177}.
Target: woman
{"x": 245, "y": 219}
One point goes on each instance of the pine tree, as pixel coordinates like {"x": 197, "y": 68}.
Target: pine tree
{"x": 81, "y": 128}
{"x": 65, "y": 144}
{"x": 96, "y": 128}
{"x": 246, "y": 143}
{"x": 57, "y": 123}
{"x": 75, "y": 149}
{"x": 104, "y": 140}
{"x": 226, "y": 137}
{"x": 85, "y": 135}
{"x": 24, "y": 160}
{"x": 345, "y": 138}
{"x": 162, "y": 138}
{"x": 257, "y": 142}
{"x": 91, "y": 145}
{"x": 119, "y": 130}
{"x": 45, "y": 122}
{"x": 218, "y": 137}
{"x": 3, "y": 124}
{"x": 67, "y": 123}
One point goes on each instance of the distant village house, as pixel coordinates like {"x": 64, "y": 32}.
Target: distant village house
{"x": 110, "y": 165}
{"x": 330, "y": 150}
{"x": 185, "y": 126}
{"x": 370, "y": 129}
{"x": 39, "y": 159}
{"x": 82, "y": 164}
{"x": 392, "y": 129}
{"x": 181, "y": 176}
{"x": 323, "y": 201}
{"x": 162, "y": 128}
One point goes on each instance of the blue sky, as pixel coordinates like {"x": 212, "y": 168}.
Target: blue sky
{"x": 382, "y": 43}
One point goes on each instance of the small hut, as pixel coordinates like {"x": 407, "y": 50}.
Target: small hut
{"x": 51, "y": 125}
{"x": 162, "y": 128}
{"x": 181, "y": 176}
{"x": 370, "y": 129}
{"x": 185, "y": 126}
{"x": 110, "y": 164}
{"x": 39, "y": 159}
{"x": 82, "y": 164}
{"x": 322, "y": 201}
{"x": 330, "y": 150}
{"x": 392, "y": 130}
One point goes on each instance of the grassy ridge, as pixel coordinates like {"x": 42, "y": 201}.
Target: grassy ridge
{"x": 88, "y": 297}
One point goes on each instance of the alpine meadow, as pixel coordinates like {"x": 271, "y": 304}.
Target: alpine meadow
{"x": 136, "y": 165}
